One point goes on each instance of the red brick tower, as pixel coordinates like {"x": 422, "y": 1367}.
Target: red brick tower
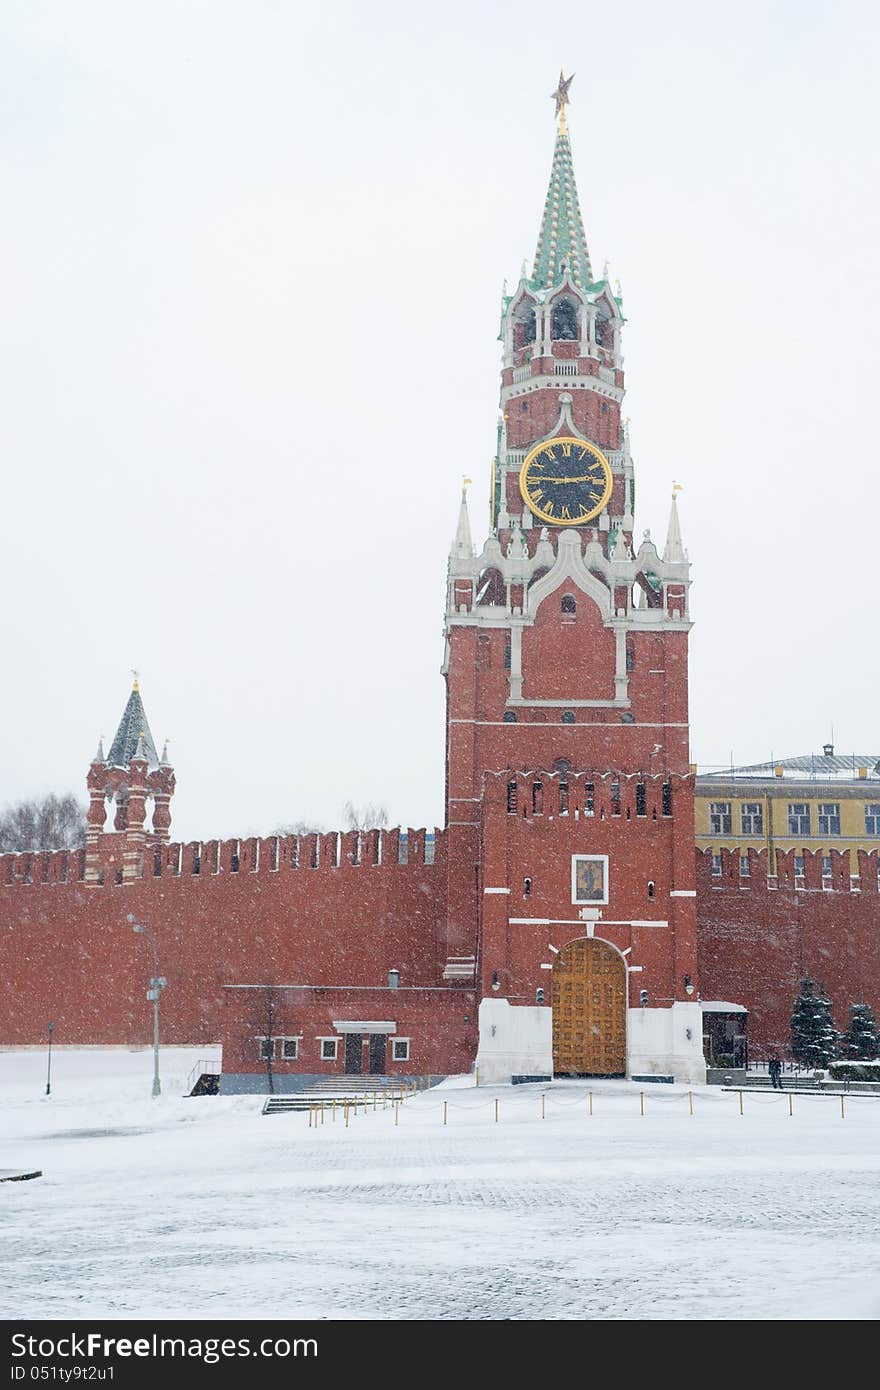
{"x": 131, "y": 773}
{"x": 569, "y": 794}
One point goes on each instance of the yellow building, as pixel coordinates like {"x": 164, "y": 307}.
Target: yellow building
{"x": 819, "y": 803}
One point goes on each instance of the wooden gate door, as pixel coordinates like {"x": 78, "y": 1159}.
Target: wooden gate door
{"x": 354, "y": 1053}
{"x": 589, "y": 1010}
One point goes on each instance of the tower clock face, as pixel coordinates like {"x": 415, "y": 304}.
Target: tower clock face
{"x": 565, "y": 481}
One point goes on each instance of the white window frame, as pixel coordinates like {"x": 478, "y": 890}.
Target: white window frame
{"x": 720, "y": 812}
{"x": 872, "y": 812}
{"x": 745, "y": 867}
{"x": 399, "y": 1042}
{"x": 717, "y": 866}
{"x": 325, "y": 1042}
{"x": 829, "y": 811}
{"x": 751, "y": 811}
{"x": 264, "y": 1056}
{"x": 592, "y": 859}
{"x": 286, "y": 1056}
{"x": 805, "y": 814}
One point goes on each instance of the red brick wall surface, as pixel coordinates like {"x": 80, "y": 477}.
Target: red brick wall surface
{"x": 756, "y": 942}
{"x": 68, "y": 953}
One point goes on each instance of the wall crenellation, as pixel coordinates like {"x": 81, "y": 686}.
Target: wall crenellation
{"x": 329, "y": 851}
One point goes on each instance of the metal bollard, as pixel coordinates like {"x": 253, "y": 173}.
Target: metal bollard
{"x": 496, "y": 1110}
{"x": 444, "y": 1112}
{"x": 691, "y": 1102}
{"x": 642, "y": 1102}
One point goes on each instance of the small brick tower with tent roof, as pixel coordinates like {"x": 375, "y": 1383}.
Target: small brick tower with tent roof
{"x": 131, "y": 774}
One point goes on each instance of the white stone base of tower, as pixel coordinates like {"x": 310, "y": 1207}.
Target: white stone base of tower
{"x": 657, "y": 1043}
{"x": 518, "y": 1041}
{"x": 514, "y": 1041}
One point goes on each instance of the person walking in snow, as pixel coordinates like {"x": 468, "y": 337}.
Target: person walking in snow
{"x": 774, "y": 1067}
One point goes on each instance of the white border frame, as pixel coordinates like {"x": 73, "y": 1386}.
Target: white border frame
{"x": 335, "y": 1041}
{"x": 290, "y": 1037}
{"x": 394, "y": 1041}
{"x": 592, "y": 902}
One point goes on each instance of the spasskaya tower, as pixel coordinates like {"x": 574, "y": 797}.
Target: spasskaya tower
{"x": 569, "y": 796}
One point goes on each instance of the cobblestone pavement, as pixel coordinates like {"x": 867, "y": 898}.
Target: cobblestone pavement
{"x": 206, "y": 1208}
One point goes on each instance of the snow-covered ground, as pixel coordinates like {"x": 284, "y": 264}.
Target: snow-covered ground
{"x": 205, "y": 1208}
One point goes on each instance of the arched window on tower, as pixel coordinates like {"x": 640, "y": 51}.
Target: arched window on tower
{"x": 564, "y": 320}
{"x": 568, "y": 607}
{"x": 603, "y": 330}
{"x": 524, "y": 325}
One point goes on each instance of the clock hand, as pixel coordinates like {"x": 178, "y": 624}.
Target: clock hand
{"x": 585, "y": 478}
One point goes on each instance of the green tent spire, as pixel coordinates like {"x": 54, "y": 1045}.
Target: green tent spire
{"x": 562, "y": 236}
{"x": 133, "y": 727}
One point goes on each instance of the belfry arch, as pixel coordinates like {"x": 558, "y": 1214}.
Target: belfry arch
{"x": 589, "y": 1010}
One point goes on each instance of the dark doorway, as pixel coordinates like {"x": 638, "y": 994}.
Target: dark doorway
{"x": 378, "y": 1043}
{"x": 354, "y": 1053}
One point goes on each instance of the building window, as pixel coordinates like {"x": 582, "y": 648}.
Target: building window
{"x": 400, "y": 1049}
{"x": 720, "y": 821}
{"x": 798, "y": 818}
{"x": 829, "y": 818}
{"x": 826, "y": 865}
{"x": 799, "y": 866}
{"x": 745, "y": 868}
{"x": 568, "y": 716}
{"x": 630, "y": 658}
{"x": 509, "y": 716}
{"x": 589, "y": 799}
{"x": 290, "y": 1049}
{"x": 507, "y": 656}
{"x": 872, "y": 820}
{"x": 752, "y": 817}
{"x": 641, "y": 799}
{"x": 716, "y": 865}
{"x": 667, "y": 798}
{"x": 511, "y": 799}
{"x": 267, "y": 1049}
{"x": 568, "y": 604}
{"x": 329, "y": 1048}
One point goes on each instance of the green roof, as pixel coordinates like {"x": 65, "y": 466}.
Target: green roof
{"x": 132, "y": 724}
{"x": 562, "y": 236}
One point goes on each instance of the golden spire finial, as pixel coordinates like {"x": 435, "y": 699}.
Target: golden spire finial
{"x": 676, "y": 488}
{"x": 136, "y": 683}
{"x": 465, "y": 484}
{"x": 561, "y": 97}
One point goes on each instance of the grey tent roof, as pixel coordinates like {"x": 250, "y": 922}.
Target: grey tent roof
{"x": 132, "y": 724}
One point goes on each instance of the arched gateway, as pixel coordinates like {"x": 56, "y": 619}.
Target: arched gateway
{"x": 589, "y": 1010}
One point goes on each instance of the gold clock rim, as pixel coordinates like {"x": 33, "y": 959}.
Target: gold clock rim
{"x": 584, "y": 444}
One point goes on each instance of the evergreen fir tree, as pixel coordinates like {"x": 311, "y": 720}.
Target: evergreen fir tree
{"x": 860, "y": 1042}
{"x": 827, "y": 1044}
{"x": 813, "y": 1036}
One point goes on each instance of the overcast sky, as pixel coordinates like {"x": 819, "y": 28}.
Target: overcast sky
{"x": 251, "y": 257}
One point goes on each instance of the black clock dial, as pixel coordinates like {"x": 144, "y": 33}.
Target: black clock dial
{"x": 566, "y": 481}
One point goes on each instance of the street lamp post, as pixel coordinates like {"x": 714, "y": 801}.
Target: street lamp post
{"x": 157, "y": 984}
{"x": 51, "y": 1027}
